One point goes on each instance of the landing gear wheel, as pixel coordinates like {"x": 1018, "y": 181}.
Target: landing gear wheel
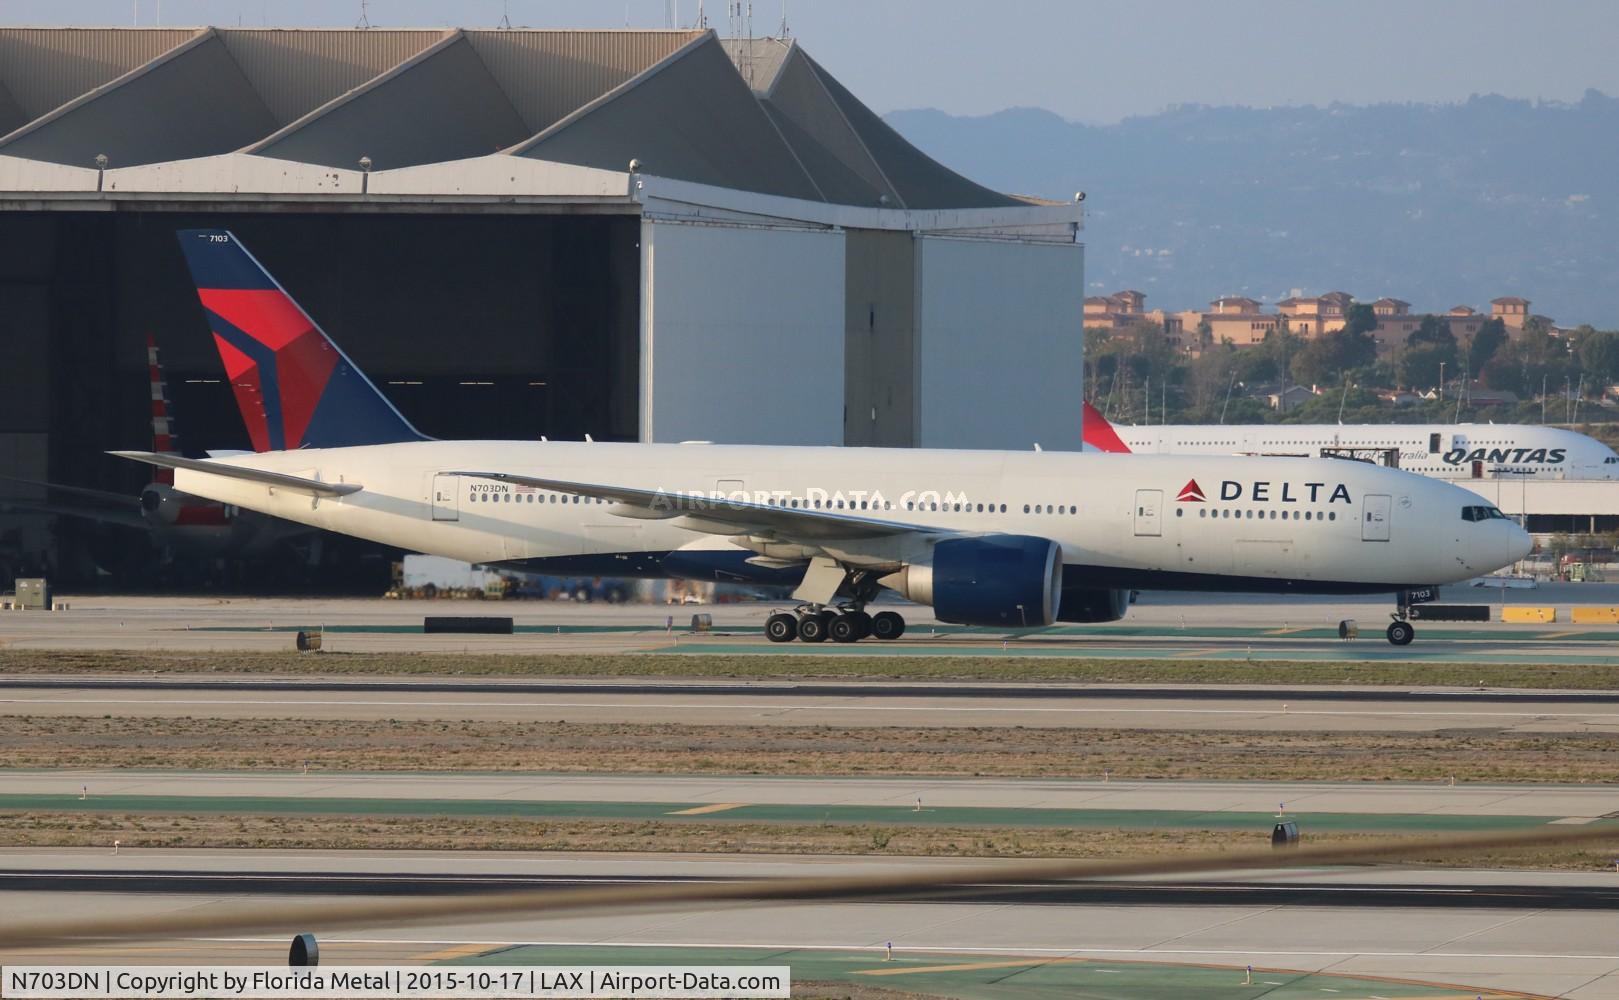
{"x": 887, "y": 625}
{"x": 1401, "y": 633}
{"x": 862, "y": 623}
{"x": 813, "y": 627}
{"x": 781, "y": 627}
{"x": 844, "y": 628}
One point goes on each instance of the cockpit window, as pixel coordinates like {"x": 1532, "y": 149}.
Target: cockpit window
{"x": 1611, "y": 460}
{"x": 1482, "y": 514}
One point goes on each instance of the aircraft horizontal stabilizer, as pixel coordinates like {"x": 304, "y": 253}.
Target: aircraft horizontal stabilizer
{"x": 725, "y": 515}
{"x": 278, "y": 480}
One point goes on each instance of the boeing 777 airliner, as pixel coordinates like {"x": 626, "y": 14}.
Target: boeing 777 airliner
{"x": 1005, "y": 539}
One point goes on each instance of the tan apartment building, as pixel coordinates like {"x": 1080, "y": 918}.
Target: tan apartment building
{"x": 1510, "y": 310}
{"x": 1242, "y": 321}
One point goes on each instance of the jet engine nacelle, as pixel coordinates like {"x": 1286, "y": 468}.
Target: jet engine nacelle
{"x": 1093, "y": 604}
{"x": 161, "y": 503}
{"x": 1013, "y": 581}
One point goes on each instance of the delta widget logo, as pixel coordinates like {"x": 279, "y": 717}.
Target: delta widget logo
{"x": 1191, "y": 493}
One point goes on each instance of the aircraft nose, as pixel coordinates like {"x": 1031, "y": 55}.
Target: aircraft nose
{"x": 1519, "y": 543}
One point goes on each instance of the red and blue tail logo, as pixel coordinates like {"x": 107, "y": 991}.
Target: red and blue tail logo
{"x": 295, "y": 388}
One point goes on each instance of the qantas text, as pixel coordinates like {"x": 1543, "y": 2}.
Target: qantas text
{"x": 1515, "y": 456}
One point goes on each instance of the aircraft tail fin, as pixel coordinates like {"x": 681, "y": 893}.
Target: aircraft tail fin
{"x": 295, "y": 388}
{"x": 1098, "y": 434}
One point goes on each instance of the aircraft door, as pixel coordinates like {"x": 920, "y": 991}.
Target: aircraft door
{"x": 446, "y": 497}
{"x": 1149, "y": 504}
{"x": 730, "y": 489}
{"x": 1374, "y": 524}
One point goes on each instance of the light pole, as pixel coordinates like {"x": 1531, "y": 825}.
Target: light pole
{"x": 1441, "y": 381}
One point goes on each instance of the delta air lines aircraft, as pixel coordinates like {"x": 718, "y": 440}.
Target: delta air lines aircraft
{"x": 993, "y": 538}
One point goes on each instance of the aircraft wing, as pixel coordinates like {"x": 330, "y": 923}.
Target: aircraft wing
{"x": 725, "y": 516}
{"x": 105, "y": 496}
{"x": 278, "y": 480}
{"x": 123, "y": 518}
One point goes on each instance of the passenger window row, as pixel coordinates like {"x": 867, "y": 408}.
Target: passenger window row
{"x": 1285, "y": 515}
{"x": 531, "y": 498}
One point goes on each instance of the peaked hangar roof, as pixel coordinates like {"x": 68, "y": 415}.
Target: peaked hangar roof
{"x": 753, "y": 115}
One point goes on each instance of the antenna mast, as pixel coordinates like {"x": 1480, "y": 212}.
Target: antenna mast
{"x": 365, "y": 21}
{"x": 783, "y": 33}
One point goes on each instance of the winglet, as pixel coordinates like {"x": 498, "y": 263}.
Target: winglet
{"x": 1098, "y": 434}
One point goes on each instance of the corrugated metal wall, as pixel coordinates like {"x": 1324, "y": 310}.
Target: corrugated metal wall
{"x": 44, "y": 68}
{"x": 550, "y": 74}
{"x": 444, "y": 107}
{"x": 195, "y": 103}
{"x": 296, "y": 71}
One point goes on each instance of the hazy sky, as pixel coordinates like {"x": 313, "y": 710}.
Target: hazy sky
{"x": 1090, "y": 61}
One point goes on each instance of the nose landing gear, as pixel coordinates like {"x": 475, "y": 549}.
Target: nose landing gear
{"x": 1401, "y": 631}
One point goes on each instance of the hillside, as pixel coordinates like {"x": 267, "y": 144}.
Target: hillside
{"x": 1435, "y": 204}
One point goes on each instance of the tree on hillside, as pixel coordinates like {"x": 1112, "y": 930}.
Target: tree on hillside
{"x": 1432, "y": 330}
{"x": 1329, "y": 357}
{"x": 1485, "y": 343}
{"x": 1359, "y": 319}
{"x": 1420, "y": 365}
{"x": 1599, "y": 354}
{"x": 1503, "y": 372}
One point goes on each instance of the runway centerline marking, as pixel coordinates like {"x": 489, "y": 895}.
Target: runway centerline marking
{"x": 703, "y": 810}
{"x": 1033, "y": 962}
{"x": 455, "y": 951}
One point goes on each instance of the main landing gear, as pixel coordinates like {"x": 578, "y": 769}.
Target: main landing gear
{"x": 818, "y": 623}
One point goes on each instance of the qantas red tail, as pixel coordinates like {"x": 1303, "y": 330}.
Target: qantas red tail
{"x": 295, "y": 388}
{"x": 1098, "y": 433}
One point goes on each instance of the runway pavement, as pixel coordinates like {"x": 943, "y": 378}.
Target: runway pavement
{"x": 809, "y": 704}
{"x": 1552, "y": 950}
{"x": 1163, "y": 625}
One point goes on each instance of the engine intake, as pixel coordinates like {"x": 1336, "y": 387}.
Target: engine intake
{"x": 1007, "y": 580}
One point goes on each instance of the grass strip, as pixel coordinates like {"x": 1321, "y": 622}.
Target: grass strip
{"x": 111, "y": 741}
{"x": 238, "y": 832}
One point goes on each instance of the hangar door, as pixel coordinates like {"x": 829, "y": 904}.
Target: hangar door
{"x": 1374, "y": 525}
{"x": 1001, "y": 321}
{"x": 741, "y": 333}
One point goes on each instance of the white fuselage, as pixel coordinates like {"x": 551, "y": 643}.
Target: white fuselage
{"x": 1121, "y": 520}
{"x": 1443, "y": 451}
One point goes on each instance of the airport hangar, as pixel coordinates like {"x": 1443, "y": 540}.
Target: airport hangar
{"x": 636, "y": 235}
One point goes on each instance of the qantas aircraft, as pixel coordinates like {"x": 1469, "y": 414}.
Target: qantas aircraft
{"x": 1004, "y": 539}
{"x": 1443, "y": 451}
